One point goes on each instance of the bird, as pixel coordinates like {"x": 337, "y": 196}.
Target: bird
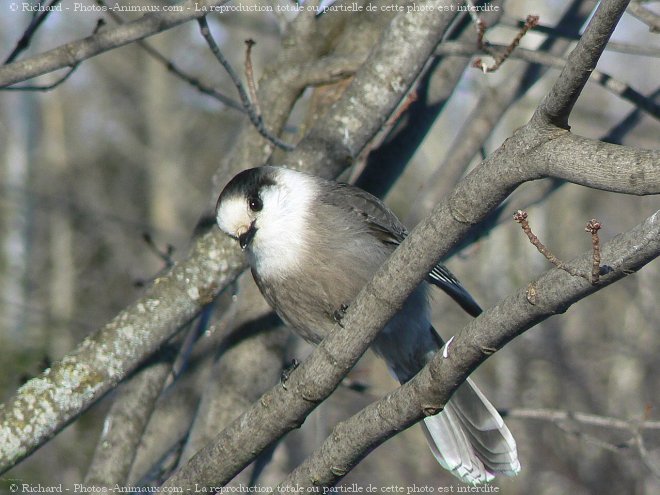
{"x": 312, "y": 244}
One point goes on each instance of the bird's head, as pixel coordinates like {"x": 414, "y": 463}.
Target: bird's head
{"x": 267, "y": 209}
{"x": 241, "y": 203}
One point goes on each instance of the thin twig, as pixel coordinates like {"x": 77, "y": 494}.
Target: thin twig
{"x": 45, "y": 87}
{"x": 645, "y": 456}
{"x": 559, "y": 32}
{"x": 174, "y": 69}
{"x": 532, "y": 20}
{"x": 593, "y": 226}
{"x": 481, "y": 31}
{"x": 24, "y": 43}
{"x": 568, "y": 422}
{"x": 26, "y": 38}
{"x": 479, "y": 24}
{"x": 255, "y": 118}
{"x": 617, "y": 87}
{"x": 556, "y": 415}
{"x": 521, "y": 217}
{"x": 249, "y": 75}
{"x": 572, "y": 429}
{"x": 193, "y": 81}
{"x": 411, "y": 98}
{"x": 472, "y": 10}
{"x": 206, "y": 33}
{"x": 165, "y": 255}
{"x": 327, "y": 70}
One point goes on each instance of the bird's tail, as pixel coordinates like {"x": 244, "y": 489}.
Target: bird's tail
{"x": 469, "y": 438}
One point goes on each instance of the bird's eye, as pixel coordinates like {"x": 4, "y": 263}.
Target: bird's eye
{"x": 255, "y": 203}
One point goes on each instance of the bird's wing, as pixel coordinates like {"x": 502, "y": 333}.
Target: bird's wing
{"x": 385, "y": 226}
{"x": 441, "y": 277}
{"x": 379, "y": 219}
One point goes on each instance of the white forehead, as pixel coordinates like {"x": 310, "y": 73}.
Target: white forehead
{"x": 232, "y": 215}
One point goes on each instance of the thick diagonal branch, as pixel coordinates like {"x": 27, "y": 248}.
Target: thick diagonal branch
{"x": 278, "y": 411}
{"x": 377, "y": 89}
{"x": 55, "y": 398}
{"x": 430, "y": 390}
{"x": 44, "y": 405}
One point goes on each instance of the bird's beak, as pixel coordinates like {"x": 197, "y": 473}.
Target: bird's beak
{"x": 246, "y": 237}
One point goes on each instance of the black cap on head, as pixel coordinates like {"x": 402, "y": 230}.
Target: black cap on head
{"x": 248, "y": 183}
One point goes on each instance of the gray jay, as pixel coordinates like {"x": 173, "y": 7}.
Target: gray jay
{"x": 312, "y": 244}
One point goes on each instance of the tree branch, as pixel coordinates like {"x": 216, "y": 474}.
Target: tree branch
{"x": 304, "y": 41}
{"x": 559, "y": 32}
{"x": 352, "y": 439}
{"x": 251, "y": 107}
{"x": 615, "y": 86}
{"x": 64, "y": 391}
{"x": 73, "y": 53}
{"x": 377, "y": 89}
{"x": 555, "y": 416}
{"x": 55, "y": 398}
{"x": 386, "y": 162}
{"x": 124, "y": 425}
{"x": 581, "y": 62}
{"x": 618, "y": 132}
{"x": 643, "y": 14}
{"x": 278, "y": 411}
{"x": 329, "y": 69}
{"x": 44, "y": 87}
{"x": 604, "y": 166}
{"x": 492, "y": 104}
{"x": 26, "y": 38}
{"x": 162, "y": 443}
{"x": 563, "y": 420}
{"x": 250, "y": 364}
{"x": 174, "y": 69}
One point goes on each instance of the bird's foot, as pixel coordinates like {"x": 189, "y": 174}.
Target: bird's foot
{"x": 286, "y": 372}
{"x": 339, "y": 314}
